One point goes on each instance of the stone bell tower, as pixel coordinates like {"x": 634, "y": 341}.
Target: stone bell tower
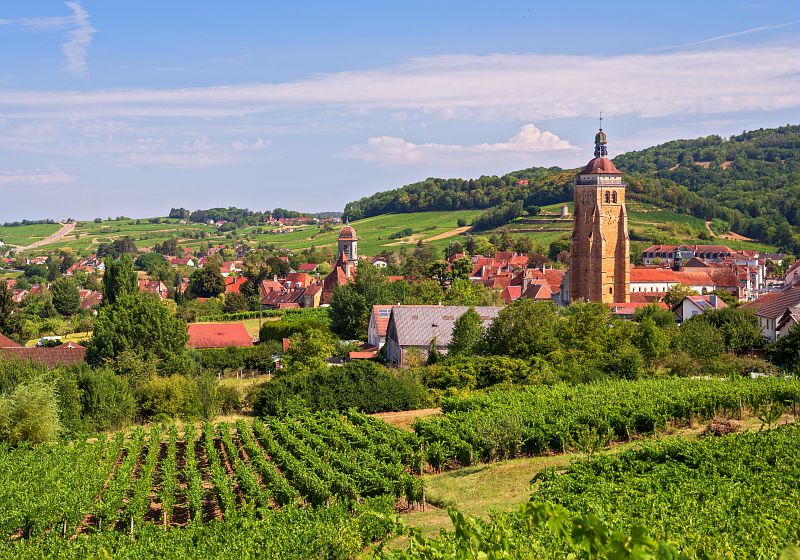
{"x": 600, "y": 248}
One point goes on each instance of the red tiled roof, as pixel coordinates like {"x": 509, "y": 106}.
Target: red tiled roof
{"x": 363, "y": 354}
{"x": 689, "y": 277}
{"x": 600, "y": 165}
{"x": 298, "y": 278}
{"x": 218, "y": 335}
{"x": 511, "y": 293}
{"x": 381, "y": 323}
{"x": 307, "y": 267}
{"x": 233, "y": 284}
{"x": 49, "y": 357}
{"x": 347, "y": 232}
{"x": 6, "y": 342}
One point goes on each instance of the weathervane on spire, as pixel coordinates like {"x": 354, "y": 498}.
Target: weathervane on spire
{"x": 600, "y": 141}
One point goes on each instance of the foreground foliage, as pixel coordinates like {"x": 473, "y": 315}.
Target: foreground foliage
{"x": 729, "y": 497}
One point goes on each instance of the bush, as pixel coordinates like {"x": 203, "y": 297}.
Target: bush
{"x": 106, "y": 399}
{"x": 174, "y": 396}
{"x": 278, "y": 330}
{"x": 29, "y": 414}
{"x": 366, "y": 386}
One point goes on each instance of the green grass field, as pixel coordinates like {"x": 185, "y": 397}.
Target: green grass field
{"x": 25, "y": 235}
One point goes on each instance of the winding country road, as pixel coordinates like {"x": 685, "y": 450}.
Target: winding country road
{"x": 65, "y": 229}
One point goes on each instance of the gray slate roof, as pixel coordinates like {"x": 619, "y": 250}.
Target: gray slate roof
{"x": 777, "y": 306}
{"x": 417, "y": 325}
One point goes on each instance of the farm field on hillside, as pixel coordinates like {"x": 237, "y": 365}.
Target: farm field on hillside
{"x": 25, "y": 235}
{"x": 373, "y": 233}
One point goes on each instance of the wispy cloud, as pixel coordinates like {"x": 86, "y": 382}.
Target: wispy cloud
{"x": 392, "y": 151}
{"x": 759, "y": 29}
{"x": 77, "y": 46}
{"x": 23, "y": 177}
{"x": 79, "y": 34}
{"x": 529, "y": 87}
{"x": 197, "y": 153}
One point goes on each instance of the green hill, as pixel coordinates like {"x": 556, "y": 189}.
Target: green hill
{"x": 749, "y": 184}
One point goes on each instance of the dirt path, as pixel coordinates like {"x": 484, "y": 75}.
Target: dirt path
{"x": 65, "y": 229}
{"x": 730, "y": 235}
{"x": 451, "y": 233}
{"x": 416, "y": 237}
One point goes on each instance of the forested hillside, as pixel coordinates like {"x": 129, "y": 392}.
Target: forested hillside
{"x": 749, "y": 183}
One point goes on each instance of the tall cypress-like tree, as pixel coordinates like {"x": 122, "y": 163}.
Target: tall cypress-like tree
{"x": 119, "y": 279}
{"x": 467, "y": 334}
{"x": 6, "y": 305}
{"x": 66, "y": 298}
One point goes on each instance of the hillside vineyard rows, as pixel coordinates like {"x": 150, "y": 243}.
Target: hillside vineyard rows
{"x": 535, "y": 420}
{"x": 726, "y": 497}
{"x": 218, "y": 472}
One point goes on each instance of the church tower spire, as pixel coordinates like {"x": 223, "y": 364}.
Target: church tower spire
{"x": 600, "y": 248}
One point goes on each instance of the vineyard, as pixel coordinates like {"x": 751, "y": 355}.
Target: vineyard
{"x": 221, "y": 472}
{"x": 722, "y": 497}
{"x": 534, "y": 420}
{"x": 329, "y": 485}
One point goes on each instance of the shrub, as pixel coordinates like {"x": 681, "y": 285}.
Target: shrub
{"x": 366, "y": 386}
{"x": 278, "y": 330}
{"x": 106, "y": 399}
{"x": 175, "y": 396}
{"x": 29, "y": 414}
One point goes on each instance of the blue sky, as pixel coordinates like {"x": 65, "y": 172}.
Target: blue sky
{"x": 133, "y": 107}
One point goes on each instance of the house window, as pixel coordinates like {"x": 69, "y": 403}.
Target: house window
{"x": 614, "y": 197}
{"x": 384, "y": 313}
{"x": 607, "y": 197}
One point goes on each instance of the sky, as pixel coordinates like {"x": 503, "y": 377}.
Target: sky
{"x": 134, "y": 107}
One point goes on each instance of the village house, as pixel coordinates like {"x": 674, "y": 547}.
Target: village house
{"x": 154, "y": 287}
{"x": 776, "y": 311}
{"x": 697, "y": 305}
{"x": 413, "y": 328}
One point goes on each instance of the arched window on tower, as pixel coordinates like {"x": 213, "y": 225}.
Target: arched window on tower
{"x": 614, "y": 197}
{"x": 607, "y": 197}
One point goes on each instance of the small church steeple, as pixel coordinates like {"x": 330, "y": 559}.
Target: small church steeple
{"x": 600, "y": 141}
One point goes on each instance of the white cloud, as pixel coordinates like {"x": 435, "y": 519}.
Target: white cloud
{"x": 35, "y": 177}
{"x": 79, "y": 34}
{"x": 255, "y": 146}
{"x": 389, "y": 150}
{"x": 520, "y": 86}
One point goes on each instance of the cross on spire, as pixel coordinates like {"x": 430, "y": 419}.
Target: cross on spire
{"x": 601, "y": 120}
